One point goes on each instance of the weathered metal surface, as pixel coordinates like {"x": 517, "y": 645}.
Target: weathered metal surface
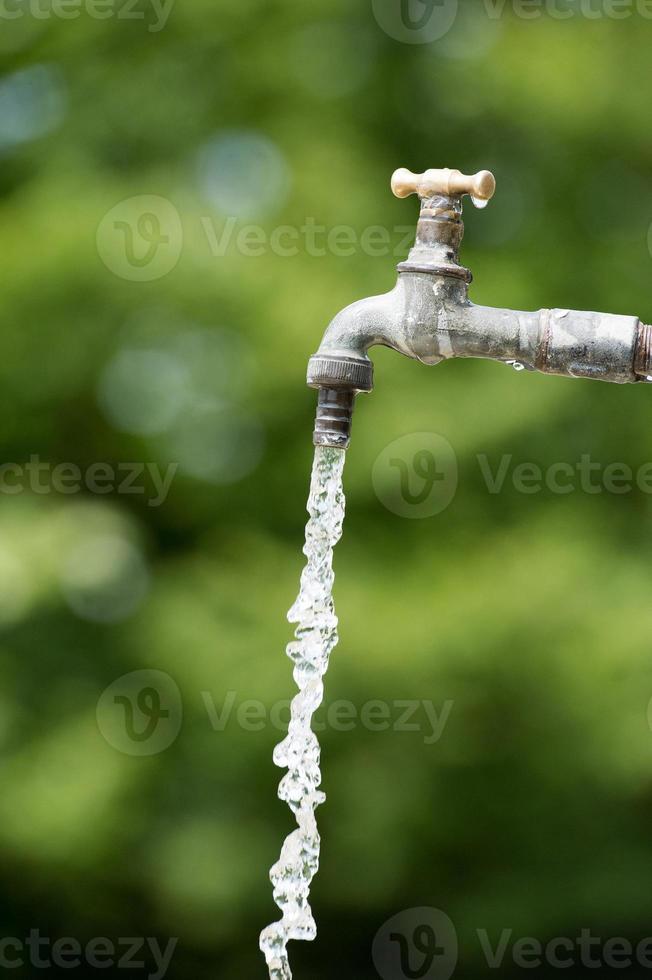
{"x": 428, "y": 315}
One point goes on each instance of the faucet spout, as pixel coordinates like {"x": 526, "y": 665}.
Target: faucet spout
{"x": 403, "y": 319}
{"x": 429, "y": 317}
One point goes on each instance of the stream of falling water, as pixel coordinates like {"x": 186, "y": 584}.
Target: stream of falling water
{"x": 315, "y": 637}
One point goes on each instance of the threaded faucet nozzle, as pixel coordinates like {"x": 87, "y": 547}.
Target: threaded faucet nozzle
{"x": 334, "y": 417}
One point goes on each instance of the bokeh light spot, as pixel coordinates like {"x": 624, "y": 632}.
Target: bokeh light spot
{"x": 104, "y": 578}
{"x": 244, "y": 174}
{"x": 32, "y": 103}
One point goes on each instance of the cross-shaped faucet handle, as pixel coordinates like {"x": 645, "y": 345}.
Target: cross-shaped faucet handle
{"x": 451, "y": 183}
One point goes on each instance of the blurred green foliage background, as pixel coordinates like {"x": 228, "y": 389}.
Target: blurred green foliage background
{"x": 530, "y": 612}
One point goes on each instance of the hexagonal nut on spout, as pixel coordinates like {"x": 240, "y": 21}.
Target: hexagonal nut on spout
{"x": 340, "y": 371}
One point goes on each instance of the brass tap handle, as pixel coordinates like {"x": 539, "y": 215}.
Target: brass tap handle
{"x": 451, "y": 183}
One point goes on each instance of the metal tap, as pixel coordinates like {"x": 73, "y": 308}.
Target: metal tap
{"x": 429, "y": 317}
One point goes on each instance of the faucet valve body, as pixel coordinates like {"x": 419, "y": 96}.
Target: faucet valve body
{"x": 429, "y": 317}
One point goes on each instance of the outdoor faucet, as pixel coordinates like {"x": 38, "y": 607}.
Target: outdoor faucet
{"x": 429, "y": 317}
